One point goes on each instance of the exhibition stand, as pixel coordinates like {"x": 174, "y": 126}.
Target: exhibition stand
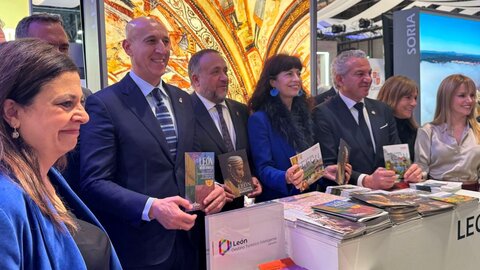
{"x": 445, "y": 241}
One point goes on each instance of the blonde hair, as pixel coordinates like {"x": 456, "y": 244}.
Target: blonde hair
{"x": 394, "y": 89}
{"x": 445, "y": 94}
{"x": 32, "y": 64}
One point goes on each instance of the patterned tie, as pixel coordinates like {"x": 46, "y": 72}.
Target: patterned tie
{"x": 166, "y": 122}
{"x": 363, "y": 125}
{"x": 223, "y": 127}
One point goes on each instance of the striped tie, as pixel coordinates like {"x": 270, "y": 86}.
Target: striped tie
{"x": 223, "y": 126}
{"x": 166, "y": 122}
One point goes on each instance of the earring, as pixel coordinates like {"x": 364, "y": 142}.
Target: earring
{"x": 300, "y": 93}
{"x": 274, "y": 92}
{"x": 15, "y": 133}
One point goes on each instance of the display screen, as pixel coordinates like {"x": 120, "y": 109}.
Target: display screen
{"x": 448, "y": 45}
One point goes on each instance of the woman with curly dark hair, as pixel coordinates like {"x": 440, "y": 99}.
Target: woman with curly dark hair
{"x": 280, "y": 127}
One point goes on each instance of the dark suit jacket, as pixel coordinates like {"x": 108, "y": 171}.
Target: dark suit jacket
{"x": 209, "y": 139}
{"x": 319, "y": 99}
{"x": 333, "y": 120}
{"x": 125, "y": 159}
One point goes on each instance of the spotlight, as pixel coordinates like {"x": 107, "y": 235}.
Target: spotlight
{"x": 365, "y": 23}
{"x": 338, "y": 28}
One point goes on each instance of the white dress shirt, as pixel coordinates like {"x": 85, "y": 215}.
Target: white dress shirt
{"x": 210, "y": 106}
{"x": 350, "y": 103}
{"x": 146, "y": 89}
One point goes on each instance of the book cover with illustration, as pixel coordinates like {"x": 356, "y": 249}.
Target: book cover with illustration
{"x": 455, "y": 199}
{"x": 342, "y": 160}
{"x": 397, "y": 158}
{"x": 311, "y": 162}
{"x": 236, "y": 172}
{"x": 349, "y": 210}
{"x": 383, "y": 200}
{"x": 199, "y": 177}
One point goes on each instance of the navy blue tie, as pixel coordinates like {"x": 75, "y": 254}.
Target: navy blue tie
{"x": 363, "y": 126}
{"x": 166, "y": 122}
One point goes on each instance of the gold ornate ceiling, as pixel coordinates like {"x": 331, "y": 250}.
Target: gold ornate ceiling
{"x": 244, "y": 31}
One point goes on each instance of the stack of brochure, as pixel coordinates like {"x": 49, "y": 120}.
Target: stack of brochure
{"x": 346, "y": 190}
{"x": 435, "y": 186}
{"x": 400, "y": 210}
{"x": 374, "y": 219}
{"x": 336, "y": 227}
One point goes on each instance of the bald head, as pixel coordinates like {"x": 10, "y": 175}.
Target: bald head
{"x": 148, "y": 44}
{"x": 139, "y": 24}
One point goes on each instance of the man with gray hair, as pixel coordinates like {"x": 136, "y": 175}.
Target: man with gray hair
{"x": 365, "y": 124}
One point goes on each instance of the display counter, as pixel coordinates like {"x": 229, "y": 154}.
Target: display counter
{"x": 446, "y": 241}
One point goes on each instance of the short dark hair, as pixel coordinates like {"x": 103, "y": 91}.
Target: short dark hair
{"x": 193, "y": 64}
{"x": 21, "y": 31}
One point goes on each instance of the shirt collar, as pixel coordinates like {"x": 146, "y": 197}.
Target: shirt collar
{"x": 144, "y": 86}
{"x": 444, "y": 128}
{"x": 208, "y": 104}
{"x": 349, "y": 102}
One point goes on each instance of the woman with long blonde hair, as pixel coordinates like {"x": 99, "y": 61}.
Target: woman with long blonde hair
{"x": 448, "y": 147}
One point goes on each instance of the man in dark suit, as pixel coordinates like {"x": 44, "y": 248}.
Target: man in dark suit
{"x": 325, "y": 96}
{"x": 132, "y": 157}
{"x": 48, "y": 27}
{"x": 208, "y": 74}
{"x": 365, "y": 124}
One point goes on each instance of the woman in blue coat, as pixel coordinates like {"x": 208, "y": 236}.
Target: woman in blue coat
{"x": 280, "y": 127}
{"x": 43, "y": 224}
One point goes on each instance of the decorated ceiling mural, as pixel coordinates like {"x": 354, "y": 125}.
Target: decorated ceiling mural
{"x": 246, "y": 32}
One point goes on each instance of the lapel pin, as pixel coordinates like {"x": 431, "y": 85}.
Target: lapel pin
{"x": 180, "y": 100}
{"x": 373, "y": 112}
{"x": 237, "y": 114}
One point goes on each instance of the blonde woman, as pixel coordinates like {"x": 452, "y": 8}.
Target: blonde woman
{"x": 448, "y": 147}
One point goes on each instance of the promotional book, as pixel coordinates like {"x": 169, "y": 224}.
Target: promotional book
{"x": 342, "y": 160}
{"x": 199, "y": 177}
{"x": 236, "y": 172}
{"x": 397, "y": 158}
{"x": 455, "y": 199}
{"x": 311, "y": 162}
